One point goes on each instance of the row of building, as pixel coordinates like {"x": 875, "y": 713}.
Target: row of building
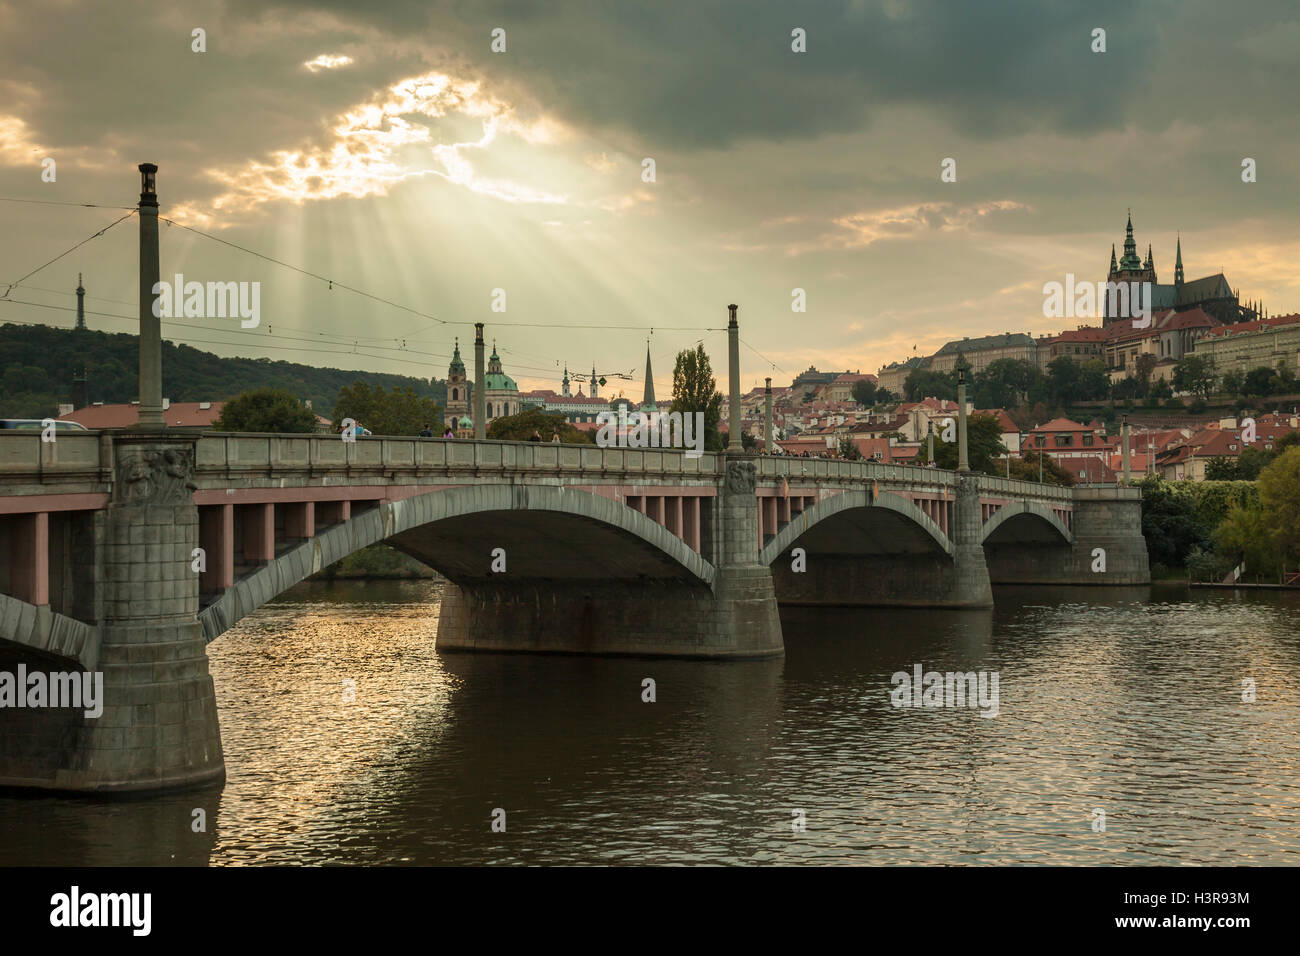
{"x": 1202, "y": 316}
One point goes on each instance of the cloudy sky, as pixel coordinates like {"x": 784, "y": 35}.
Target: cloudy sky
{"x": 386, "y": 146}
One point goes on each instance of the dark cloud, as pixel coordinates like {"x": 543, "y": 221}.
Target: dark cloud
{"x": 706, "y": 75}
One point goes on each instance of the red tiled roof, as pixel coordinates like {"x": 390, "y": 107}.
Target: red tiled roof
{"x": 176, "y": 415}
{"x": 1259, "y": 325}
{"x": 1097, "y": 334}
{"x": 1004, "y": 420}
{"x": 1062, "y": 425}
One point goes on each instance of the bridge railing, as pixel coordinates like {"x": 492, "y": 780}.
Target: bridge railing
{"x": 233, "y": 453}
{"x": 72, "y": 454}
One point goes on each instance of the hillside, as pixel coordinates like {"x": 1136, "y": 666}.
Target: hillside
{"x": 37, "y": 365}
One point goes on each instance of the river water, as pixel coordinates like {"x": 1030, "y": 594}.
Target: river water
{"x": 1125, "y": 701}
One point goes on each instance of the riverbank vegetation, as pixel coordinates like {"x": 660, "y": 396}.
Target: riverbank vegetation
{"x": 1208, "y": 528}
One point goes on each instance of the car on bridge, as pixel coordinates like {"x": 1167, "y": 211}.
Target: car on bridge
{"x": 36, "y": 424}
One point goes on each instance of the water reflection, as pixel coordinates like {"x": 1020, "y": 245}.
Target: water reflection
{"x": 1121, "y": 699}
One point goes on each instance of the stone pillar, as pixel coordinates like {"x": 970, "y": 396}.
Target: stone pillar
{"x": 971, "y": 585}
{"x": 158, "y": 730}
{"x": 1123, "y": 437}
{"x": 151, "y": 415}
{"x": 767, "y": 417}
{"x": 480, "y": 384}
{"x": 963, "y": 463}
{"x": 747, "y": 622}
{"x": 734, "y": 444}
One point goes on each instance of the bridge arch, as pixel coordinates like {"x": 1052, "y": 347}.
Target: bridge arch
{"x": 1025, "y": 522}
{"x": 923, "y": 533}
{"x": 37, "y": 629}
{"x": 454, "y": 530}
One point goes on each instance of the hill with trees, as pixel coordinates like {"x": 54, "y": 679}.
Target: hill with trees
{"x": 39, "y": 363}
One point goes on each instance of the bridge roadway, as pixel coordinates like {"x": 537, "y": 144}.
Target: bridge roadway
{"x": 128, "y": 552}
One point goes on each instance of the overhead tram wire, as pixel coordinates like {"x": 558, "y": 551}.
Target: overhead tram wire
{"x": 274, "y": 335}
{"x": 764, "y": 358}
{"x": 278, "y": 348}
{"x": 14, "y": 285}
{"x": 331, "y": 283}
{"x": 56, "y": 202}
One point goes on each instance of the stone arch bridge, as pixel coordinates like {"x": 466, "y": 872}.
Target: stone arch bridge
{"x": 126, "y": 553}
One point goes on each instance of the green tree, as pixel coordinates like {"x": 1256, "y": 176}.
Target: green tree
{"x": 266, "y": 410}
{"x": 1005, "y": 383}
{"x": 1143, "y": 366}
{"x": 984, "y": 446}
{"x": 865, "y": 392}
{"x": 695, "y": 390}
{"x": 520, "y": 427}
{"x": 1220, "y": 468}
{"x": 1027, "y": 468}
{"x": 399, "y": 412}
{"x": 1285, "y": 378}
{"x": 848, "y": 450}
{"x": 1279, "y": 496}
{"x": 1195, "y": 374}
{"x": 1064, "y": 384}
{"x": 1169, "y": 522}
{"x": 1246, "y": 536}
{"x": 1094, "y": 381}
{"x": 923, "y": 383}
{"x": 1259, "y": 382}
{"x": 1234, "y": 383}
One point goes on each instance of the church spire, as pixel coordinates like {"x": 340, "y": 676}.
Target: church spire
{"x": 1113, "y": 267}
{"x": 1130, "y": 260}
{"x": 1178, "y": 266}
{"x": 648, "y": 399}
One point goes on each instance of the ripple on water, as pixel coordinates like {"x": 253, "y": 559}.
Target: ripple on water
{"x": 1131, "y": 707}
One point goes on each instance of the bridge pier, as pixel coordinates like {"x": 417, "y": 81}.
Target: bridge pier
{"x": 158, "y": 726}
{"x": 733, "y": 616}
{"x": 1107, "y": 546}
{"x": 877, "y": 557}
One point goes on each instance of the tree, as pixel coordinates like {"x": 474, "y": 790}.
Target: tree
{"x": 1005, "y": 383}
{"x": 984, "y": 446}
{"x": 1233, "y": 383}
{"x": 1285, "y": 378}
{"x": 1064, "y": 384}
{"x": 865, "y": 392}
{"x": 695, "y": 390}
{"x": 1220, "y": 468}
{"x": 1245, "y": 536}
{"x": 1279, "y": 496}
{"x": 1195, "y": 374}
{"x": 1144, "y": 365}
{"x": 849, "y": 451}
{"x": 1170, "y": 522}
{"x": 1027, "y": 467}
{"x": 1094, "y": 381}
{"x": 399, "y": 412}
{"x": 923, "y": 383}
{"x": 266, "y": 410}
{"x": 520, "y": 427}
{"x": 1259, "y": 382}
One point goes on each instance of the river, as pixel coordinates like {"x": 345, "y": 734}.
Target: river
{"x": 1126, "y": 701}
